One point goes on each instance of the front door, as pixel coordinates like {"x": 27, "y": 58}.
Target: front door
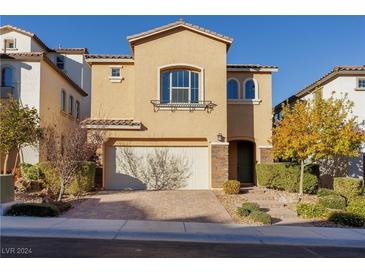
{"x": 245, "y": 161}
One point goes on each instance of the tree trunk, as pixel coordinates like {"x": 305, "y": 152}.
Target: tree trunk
{"x": 301, "y": 178}
{"x": 62, "y": 190}
{"x": 16, "y": 162}
{"x": 6, "y": 162}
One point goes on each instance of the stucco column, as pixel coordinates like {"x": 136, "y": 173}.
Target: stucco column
{"x": 219, "y": 163}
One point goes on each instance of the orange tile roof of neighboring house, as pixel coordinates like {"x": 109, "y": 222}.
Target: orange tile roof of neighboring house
{"x": 108, "y": 56}
{"x": 42, "y": 56}
{"x": 180, "y": 23}
{"x": 28, "y": 33}
{"x": 71, "y": 50}
{"x": 111, "y": 123}
{"x": 250, "y": 66}
{"x": 338, "y": 70}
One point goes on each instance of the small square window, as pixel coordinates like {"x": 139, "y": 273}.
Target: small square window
{"x": 60, "y": 61}
{"x": 361, "y": 83}
{"x": 10, "y": 43}
{"x": 115, "y": 72}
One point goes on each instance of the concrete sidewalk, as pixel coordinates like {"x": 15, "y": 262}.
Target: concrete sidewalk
{"x": 180, "y": 231}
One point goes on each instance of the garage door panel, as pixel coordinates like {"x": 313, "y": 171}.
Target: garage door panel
{"x": 195, "y": 157}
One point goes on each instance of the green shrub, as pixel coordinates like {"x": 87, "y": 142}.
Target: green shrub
{"x": 347, "y": 186}
{"x": 347, "y": 219}
{"x": 357, "y": 206}
{"x": 260, "y": 216}
{"x": 250, "y": 206}
{"x": 83, "y": 181}
{"x": 286, "y": 176}
{"x": 243, "y": 212}
{"x": 33, "y": 209}
{"x": 324, "y": 192}
{"x": 231, "y": 187}
{"x": 31, "y": 172}
{"x": 333, "y": 201}
{"x": 310, "y": 211}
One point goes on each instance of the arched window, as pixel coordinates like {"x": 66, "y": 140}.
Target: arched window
{"x": 232, "y": 89}
{"x": 250, "y": 89}
{"x": 6, "y": 77}
{"x": 179, "y": 86}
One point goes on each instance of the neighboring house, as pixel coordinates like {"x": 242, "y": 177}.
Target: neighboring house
{"x": 54, "y": 81}
{"x": 342, "y": 79}
{"x": 177, "y": 92}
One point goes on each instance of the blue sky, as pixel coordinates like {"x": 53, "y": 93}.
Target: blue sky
{"x": 304, "y": 47}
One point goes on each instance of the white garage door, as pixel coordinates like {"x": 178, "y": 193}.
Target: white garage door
{"x": 120, "y": 177}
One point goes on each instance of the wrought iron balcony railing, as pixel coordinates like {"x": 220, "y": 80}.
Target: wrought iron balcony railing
{"x": 5, "y": 92}
{"x": 192, "y": 106}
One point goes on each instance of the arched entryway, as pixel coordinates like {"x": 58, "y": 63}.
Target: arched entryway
{"x": 242, "y": 161}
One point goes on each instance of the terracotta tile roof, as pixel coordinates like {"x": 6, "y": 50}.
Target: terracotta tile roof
{"x": 250, "y": 66}
{"x": 108, "y": 123}
{"x": 42, "y": 56}
{"x": 28, "y": 33}
{"x": 71, "y": 50}
{"x": 179, "y": 23}
{"x": 335, "y": 71}
{"x": 108, "y": 56}
{"x": 338, "y": 70}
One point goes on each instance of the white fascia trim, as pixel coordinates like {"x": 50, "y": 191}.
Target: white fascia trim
{"x": 219, "y": 143}
{"x": 268, "y": 146}
{"x": 176, "y": 26}
{"x": 111, "y": 127}
{"x": 254, "y": 70}
{"x": 106, "y": 60}
{"x": 243, "y": 102}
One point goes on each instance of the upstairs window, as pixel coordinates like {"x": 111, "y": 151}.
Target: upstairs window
{"x": 70, "y": 105}
{"x": 232, "y": 89}
{"x": 77, "y": 109}
{"x": 63, "y": 101}
{"x": 6, "y": 77}
{"x": 115, "y": 72}
{"x": 60, "y": 61}
{"x": 361, "y": 83}
{"x": 9, "y": 43}
{"x": 180, "y": 86}
{"x": 250, "y": 89}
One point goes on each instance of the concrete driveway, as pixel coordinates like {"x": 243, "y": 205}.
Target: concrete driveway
{"x": 173, "y": 205}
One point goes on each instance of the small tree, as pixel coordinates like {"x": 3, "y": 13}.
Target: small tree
{"x": 317, "y": 129}
{"x": 66, "y": 153}
{"x": 19, "y": 126}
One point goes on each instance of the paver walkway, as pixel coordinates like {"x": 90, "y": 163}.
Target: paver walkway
{"x": 174, "y": 205}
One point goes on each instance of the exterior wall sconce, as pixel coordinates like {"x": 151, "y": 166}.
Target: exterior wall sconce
{"x": 220, "y": 137}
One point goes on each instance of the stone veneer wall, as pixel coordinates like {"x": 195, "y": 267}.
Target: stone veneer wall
{"x": 219, "y": 164}
{"x": 266, "y": 155}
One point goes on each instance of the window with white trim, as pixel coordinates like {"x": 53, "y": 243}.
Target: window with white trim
{"x": 63, "y": 100}
{"x": 10, "y": 43}
{"x": 361, "y": 83}
{"x": 179, "y": 86}
{"x": 70, "y": 105}
{"x": 77, "y": 109}
{"x": 250, "y": 89}
{"x": 60, "y": 62}
{"x": 115, "y": 72}
{"x": 233, "y": 89}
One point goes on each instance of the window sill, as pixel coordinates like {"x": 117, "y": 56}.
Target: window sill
{"x": 115, "y": 79}
{"x": 11, "y": 49}
{"x": 201, "y": 105}
{"x": 359, "y": 89}
{"x": 244, "y": 102}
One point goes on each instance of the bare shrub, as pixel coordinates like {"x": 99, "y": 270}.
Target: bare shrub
{"x": 159, "y": 170}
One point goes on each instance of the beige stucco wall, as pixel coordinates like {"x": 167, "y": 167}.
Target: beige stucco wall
{"x": 50, "y": 100}
{"x": 112, "y": 99}
{"x": 130, "y": 99}
{"x": 251, "y": 122}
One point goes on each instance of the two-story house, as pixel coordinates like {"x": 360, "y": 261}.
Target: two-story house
{"x": 56, "y": 82}
{"x": 342, "y": 80}
{"x": 177, "y": 92}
